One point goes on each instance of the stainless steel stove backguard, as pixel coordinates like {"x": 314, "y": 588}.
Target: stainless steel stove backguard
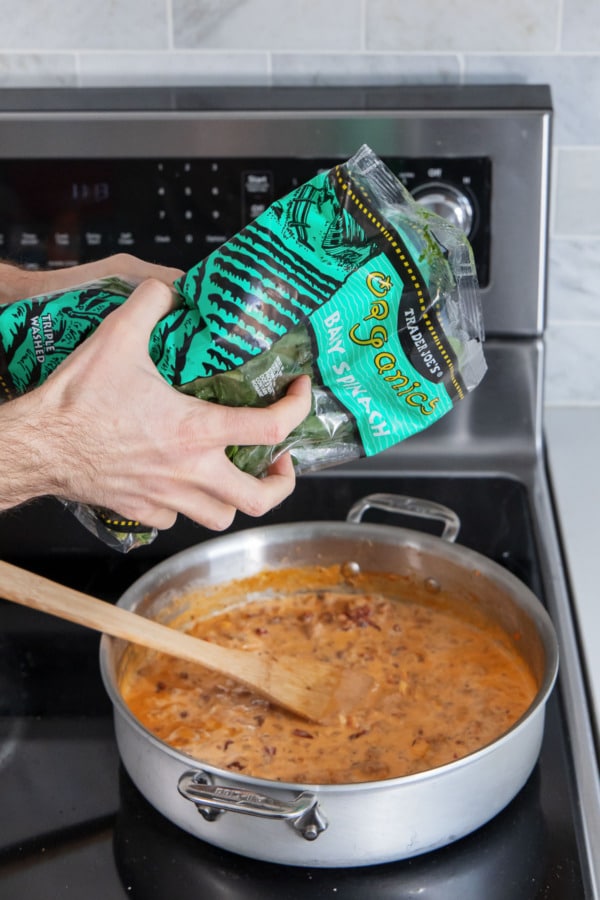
{"x": 508, "y": 125}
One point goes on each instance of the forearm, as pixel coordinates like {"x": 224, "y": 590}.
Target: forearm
{"x": 26, "y": 470}
{"x": 17, "y": 283}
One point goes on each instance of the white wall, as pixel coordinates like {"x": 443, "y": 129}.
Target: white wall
{"x": 141, "y": 42}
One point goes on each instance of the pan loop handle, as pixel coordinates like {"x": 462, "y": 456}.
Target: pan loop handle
{"x": 401, "y": 504}
{"x": 212, "y": 800}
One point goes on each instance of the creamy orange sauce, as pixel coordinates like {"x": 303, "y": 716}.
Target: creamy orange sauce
{"x": 444, "y": 686}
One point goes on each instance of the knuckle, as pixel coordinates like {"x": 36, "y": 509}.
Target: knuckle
{"x": 156, "y": 284}
{"x": 275, "y": 432}
{"x": 164, "y": 519}
{"x": 122, "y": 261}
{"x": 217, "y": 519}
{"x": 258, "y": 503}
{"x": 256, "y": 508}
{"x": 121, "y": 258}
{"x": 287, "y": 489}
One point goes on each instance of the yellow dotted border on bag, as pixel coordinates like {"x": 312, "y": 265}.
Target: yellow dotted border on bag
{"x": 117, "y": 523}
{"x": 5, "y": 388}
{"x": 411, "y": 274}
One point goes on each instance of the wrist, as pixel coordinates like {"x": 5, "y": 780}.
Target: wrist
{"x": 17, "y": 283}
{"x": 25, "y": 467}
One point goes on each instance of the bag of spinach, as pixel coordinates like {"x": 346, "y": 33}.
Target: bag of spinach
{"x": 349, "y": 280}
{"x": 346, "y": 279}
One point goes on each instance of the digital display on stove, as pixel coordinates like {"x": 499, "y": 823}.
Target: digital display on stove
{"x": 60, "y": 212}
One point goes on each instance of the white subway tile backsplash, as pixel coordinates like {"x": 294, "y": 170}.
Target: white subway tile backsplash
{"x": 172, "y": 68}
{"x": 34, "y": 69}
{"x": 364, "y": 68}
{"x": 574, "y": 122}
{"x": 267, "y": 24}
{"x": 577, "y": 192}
{"x": 463, "y": 25}
{"x": 572, "y": 371}
{"x": 83, "y": 25}
{"x": 581, "y": 25}
{"x": 574, "y": 281}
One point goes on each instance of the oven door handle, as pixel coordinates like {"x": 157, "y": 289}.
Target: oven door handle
{"x": 411, "y": 506}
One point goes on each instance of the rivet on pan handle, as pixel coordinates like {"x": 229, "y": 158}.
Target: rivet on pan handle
{"x": 211, "y": 800}
{"x": 398, "y": 503}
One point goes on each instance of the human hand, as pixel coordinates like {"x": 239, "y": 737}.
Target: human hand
{"x": 17, "y": 283}
{"x": 117, "y": 435}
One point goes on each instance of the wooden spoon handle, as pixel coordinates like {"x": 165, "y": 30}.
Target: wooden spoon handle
{"x": 29, "y": 589}
{"x": 307, "y": 687}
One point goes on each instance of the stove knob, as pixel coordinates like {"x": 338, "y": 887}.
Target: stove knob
{"x": 446, "y": 201}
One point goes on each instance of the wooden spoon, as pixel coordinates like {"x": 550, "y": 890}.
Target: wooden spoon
{"x": 310, "y": 688}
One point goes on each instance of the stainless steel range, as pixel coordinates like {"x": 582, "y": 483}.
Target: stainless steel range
{"x": 168, "y": 175}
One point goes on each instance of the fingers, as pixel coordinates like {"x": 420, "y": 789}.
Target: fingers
{"x": 176, "y": 459}
{"x": 219, "y": 488}
{"x": 287, "y": 413}
{"x": 216, "y": 503}
{"x": 212, "y": 490}
{"x": 157, "y": 517}
{"x": 268, "y": 426}
{"x": 300, "y": 387}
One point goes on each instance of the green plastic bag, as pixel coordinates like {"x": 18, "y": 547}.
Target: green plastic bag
{"x": 346, "y": 279}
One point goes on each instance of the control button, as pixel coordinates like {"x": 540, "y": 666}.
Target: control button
{"x": 257, "y": 183}
{"x": 125, "y": 239}
{"x": 62, "y": 249}
{"x": 29, "y": 242}
{"x": 257, "y": 194}
{"x": 215, "y": 239}
{"x": 30, "y": 239}
{"x": 448, "y": 202}
{"x": 93, "y": 238}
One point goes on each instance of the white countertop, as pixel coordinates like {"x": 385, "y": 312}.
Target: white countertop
{"x": 573, "y": 445}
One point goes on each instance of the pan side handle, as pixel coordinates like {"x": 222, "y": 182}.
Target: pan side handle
{"x": 212, "y": 800}
{"x": 411, "y": 506}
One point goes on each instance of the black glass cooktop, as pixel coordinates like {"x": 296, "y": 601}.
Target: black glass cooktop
{"x": 72, "y": 824}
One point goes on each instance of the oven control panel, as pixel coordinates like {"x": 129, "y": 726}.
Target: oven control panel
{"x": 59, "y": 212}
